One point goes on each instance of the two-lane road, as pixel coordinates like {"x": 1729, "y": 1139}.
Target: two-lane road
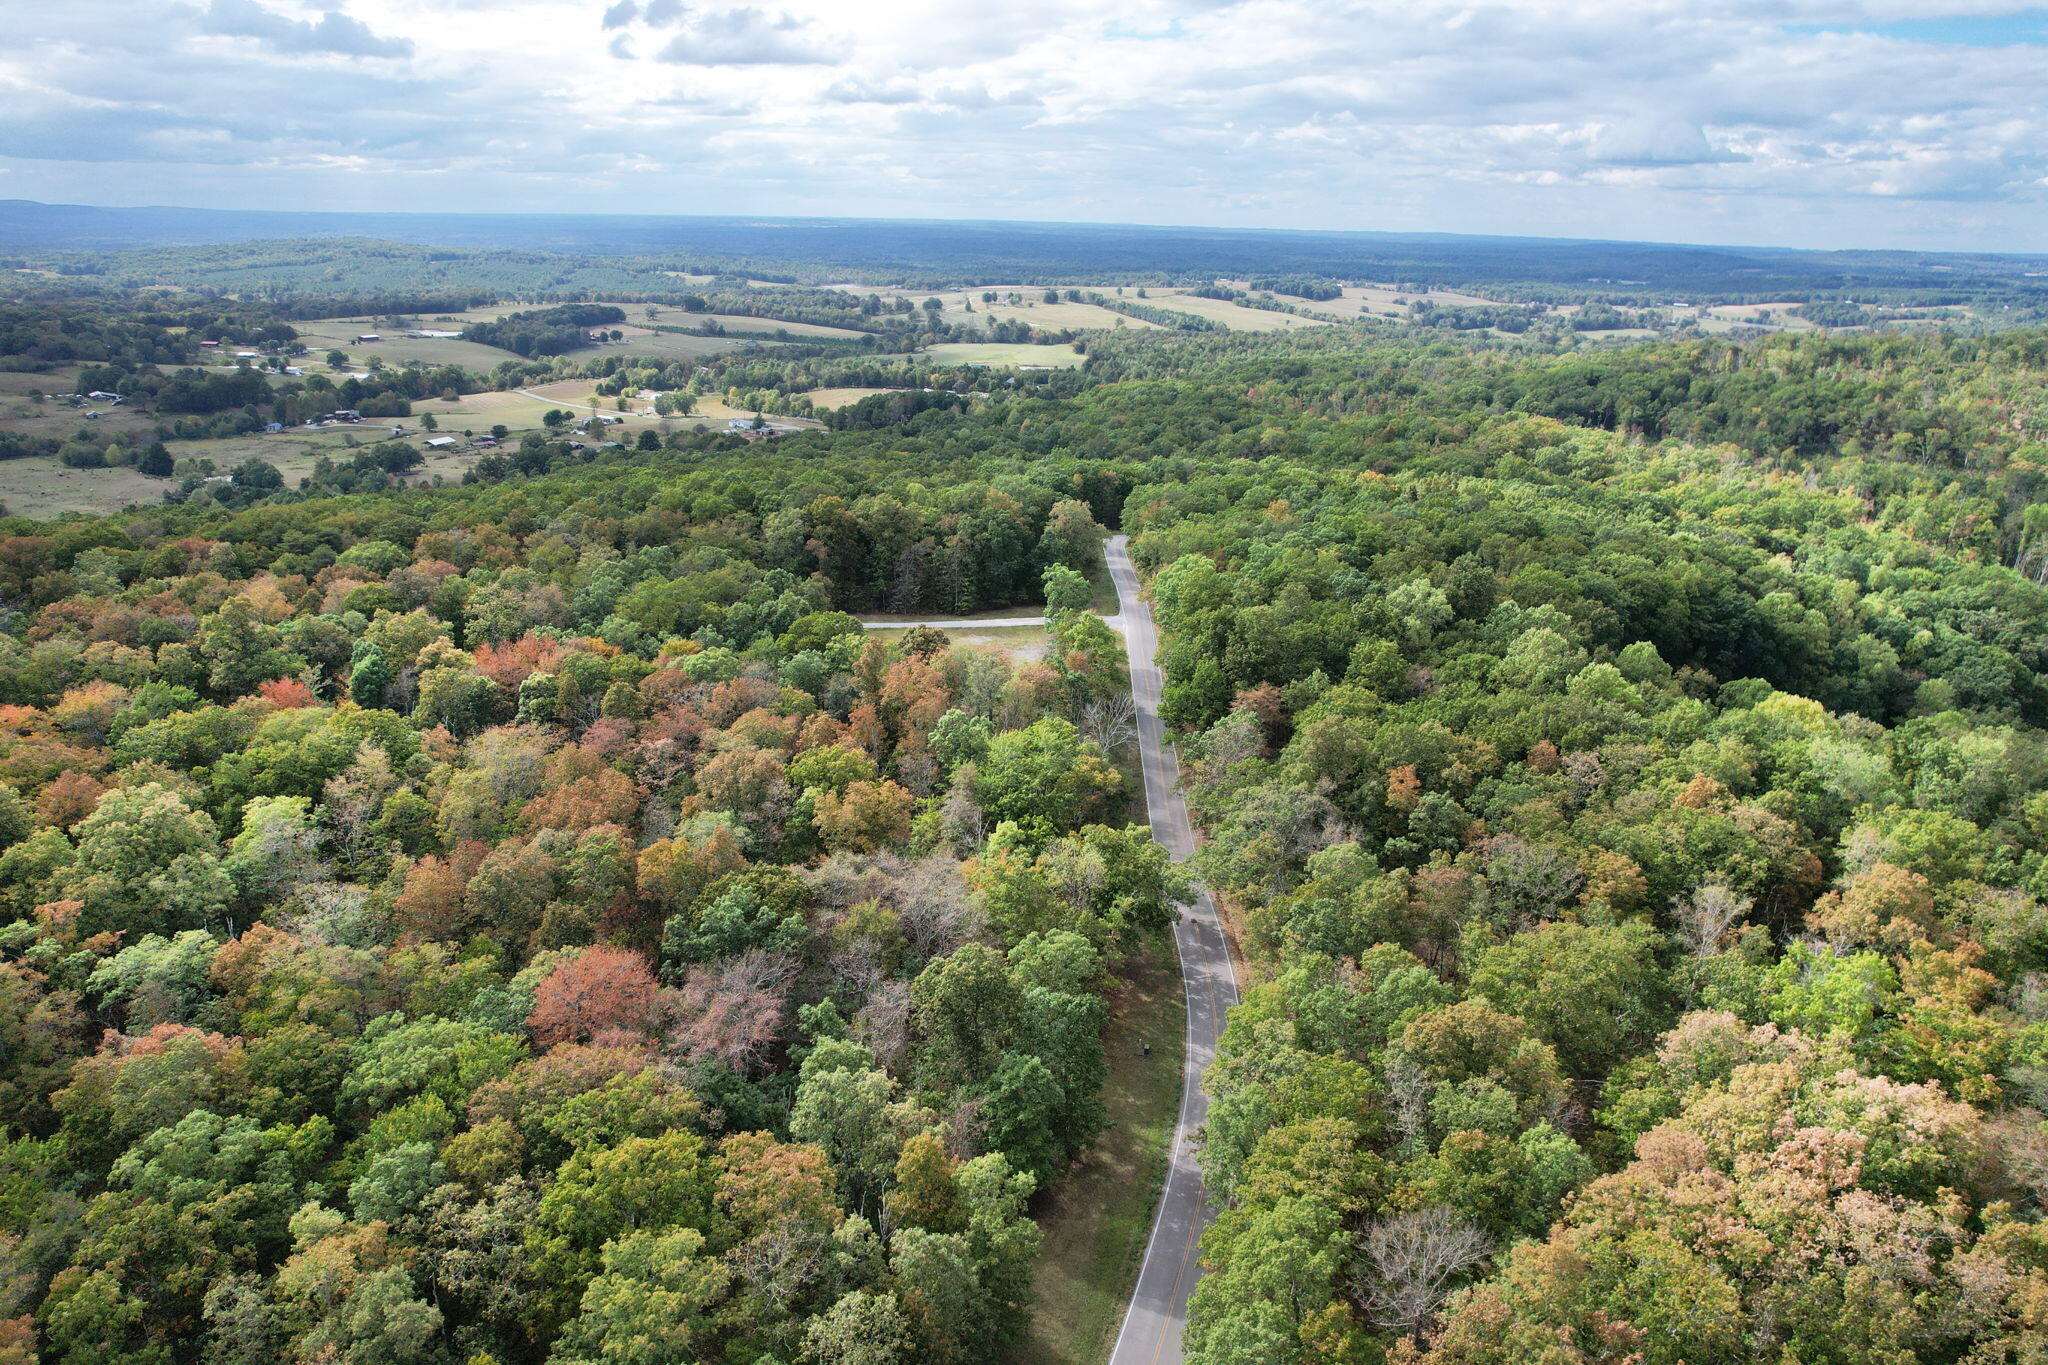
{"x": 1151, "y": 1333}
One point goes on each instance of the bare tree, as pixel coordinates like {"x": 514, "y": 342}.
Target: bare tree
{"x": 1705, "y": 917}
{"x": 1414, "y": 1257}
{"x": 1111, "y": 721}
{"x": 731, "y": 1009}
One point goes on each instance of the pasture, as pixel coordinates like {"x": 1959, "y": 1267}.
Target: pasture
{"x": 338, "y": 334}
{"x": 1050, "y": 316}
{"x": 52, "y": 420}
{"x": 662, "y": 345}
{"x": 1732, "y": 315}
{"x": 1015, "y": 354}
{"x": 41, "y": 486}
{"x": 826, "y": 399}
{"x": 1234, "y": 316}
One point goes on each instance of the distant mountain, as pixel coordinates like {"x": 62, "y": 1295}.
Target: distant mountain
{"x": 992, "y": 251}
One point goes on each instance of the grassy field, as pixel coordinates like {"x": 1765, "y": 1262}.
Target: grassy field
{"x": 840, "y": 398}
{"x": 1624, "y": 333}
{"x": 1021, "y": 644}
{"x": 326, "y": 334}
{"x": 1746, "y": 315}
{"x": 1234, "y": 316}
{"x": 738, "y": 324}
{"x": 51, "y": 420}
{"x": 665, "y": 345}
{"x": 579, "y": 396}
{"x": 1098, "y": 1215}
{"x": 43, "y": 487}
{"x": 1002, "y": 353}
{"x": 1050, "y": 316}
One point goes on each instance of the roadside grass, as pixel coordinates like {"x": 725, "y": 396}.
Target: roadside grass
{"x": 1098, "y": 1215}
{"x": 1104, "y": 603}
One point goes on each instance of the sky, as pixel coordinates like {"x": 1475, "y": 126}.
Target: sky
{"x": 1817, "y": 123}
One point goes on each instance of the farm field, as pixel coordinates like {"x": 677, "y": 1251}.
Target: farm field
{"x": 666, "y": 345}
{"x": 51, "y": 419}
{"x": 1030, "y": 308}
{"x": 578, "y": 395}
{"x": 326, "y": 334}
{"x": 1022, "y": 354}
{"x": 1055, "y": 315}
{"x": 1234, "y": 316}
{"x": 1365, "y": 300}
{"x": 1747, "y": 314}
{"x": 60, "y": 421}
{"x": 840, "y": 398}
{"x": 42, "y": 486}
{"x": 738, "y": 323}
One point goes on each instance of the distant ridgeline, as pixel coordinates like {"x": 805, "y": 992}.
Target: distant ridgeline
{"x": 392, "y": 250}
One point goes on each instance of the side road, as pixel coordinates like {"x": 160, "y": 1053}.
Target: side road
{"x": 1153, "y": 1324}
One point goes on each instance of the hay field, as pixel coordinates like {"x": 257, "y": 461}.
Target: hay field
{"x": 1233, "y": 316}
{"x": 1050, "y": 316}
{"x": 1756, "y": 315}
{"x": 42, "y": 487}
{"x": 338, "y": 334}
{"x": 664, "y": 345}
{"x": 1002, "y": 353}
{"x": 842, "y": 398}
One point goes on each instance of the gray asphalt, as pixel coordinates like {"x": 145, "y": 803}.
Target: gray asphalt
{"x": 1151, "y": 1333}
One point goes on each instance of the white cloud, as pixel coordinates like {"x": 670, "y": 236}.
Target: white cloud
{"x": 333, "y": 32}
{"x": 1705, "y": 120}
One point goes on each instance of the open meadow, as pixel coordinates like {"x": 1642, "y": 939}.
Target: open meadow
{"x": 826, "y": 399}
{"x": 1234, "y": 316}
{"x": 1018, "y": 355}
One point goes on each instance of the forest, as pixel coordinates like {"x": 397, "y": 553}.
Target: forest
{"x": 533, "y": 920}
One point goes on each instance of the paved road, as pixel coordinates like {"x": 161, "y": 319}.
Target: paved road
{"x": 1159, "y": 1305}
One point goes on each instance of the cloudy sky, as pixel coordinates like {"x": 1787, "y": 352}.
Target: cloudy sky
{"x": 1796, "y": 122}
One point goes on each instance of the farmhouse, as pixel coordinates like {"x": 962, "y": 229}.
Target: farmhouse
{"x": 440, "y": 443}
{"x": 345, "y": 415}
